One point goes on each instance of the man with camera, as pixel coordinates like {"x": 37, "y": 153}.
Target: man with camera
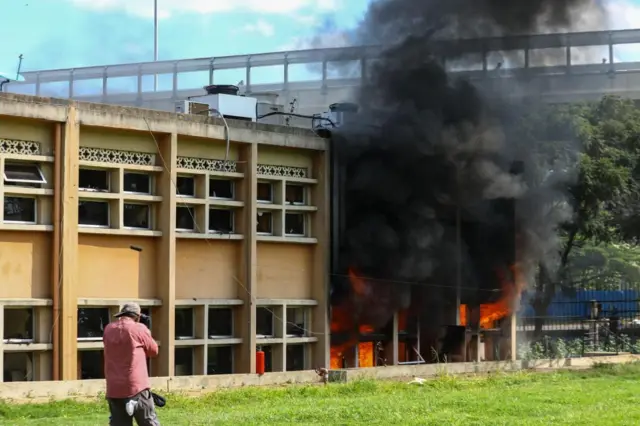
{"x": 127, "y": 345}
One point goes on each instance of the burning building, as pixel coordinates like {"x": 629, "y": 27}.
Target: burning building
{"x": 438, "y": 212}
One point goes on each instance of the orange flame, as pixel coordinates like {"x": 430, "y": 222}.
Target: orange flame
{"x": 511, "y": 290}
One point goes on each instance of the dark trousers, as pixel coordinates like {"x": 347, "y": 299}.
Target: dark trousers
{"x": 144, "y": 413}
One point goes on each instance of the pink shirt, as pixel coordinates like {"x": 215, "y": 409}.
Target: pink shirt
{"x": 127, "y": 344}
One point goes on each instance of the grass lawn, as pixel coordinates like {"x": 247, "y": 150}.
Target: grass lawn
{"x": 606, "y": 395}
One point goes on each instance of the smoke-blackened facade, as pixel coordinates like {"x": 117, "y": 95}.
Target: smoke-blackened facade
{"x": 429, "y": 174}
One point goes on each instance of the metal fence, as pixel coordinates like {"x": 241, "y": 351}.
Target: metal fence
{"x": 581, "y": 322}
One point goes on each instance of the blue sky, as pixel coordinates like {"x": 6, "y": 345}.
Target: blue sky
{"x": 74, "y": 33}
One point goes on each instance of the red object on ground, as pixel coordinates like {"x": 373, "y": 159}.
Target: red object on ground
{"x": 260, "y": 362}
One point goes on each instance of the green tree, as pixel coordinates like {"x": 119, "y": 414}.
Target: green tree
{"x": 598, "y": 144}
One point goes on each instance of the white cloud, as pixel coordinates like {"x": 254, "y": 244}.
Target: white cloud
{"x": 166, "y": 8}
{"x": 261, "y": 27}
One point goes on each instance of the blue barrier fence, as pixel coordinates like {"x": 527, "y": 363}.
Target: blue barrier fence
{"x": 578, "y": 304}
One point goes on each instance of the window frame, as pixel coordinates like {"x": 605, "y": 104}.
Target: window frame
{"x": 193, "y": 216}
{"x": 90, "y": 200}
{"x": 94, "y": 338}
{"x": 24, "y": 222}
{"x": 272, "y": 192}
{"x": 99, "y": 191}
{"x": 304, "y": 194}
{"x": 259, "y": 213}
{"x": 20, "y": 341}
{"x": 149, "y": 177}
{"x": 233, "y": 360}
{"x": 232, "y": 224}
{"x": 273, "y": 324}
{"x": 42, "y": 180}
{"x": 305, "y": 322}
{"x": 125, "y": 204}
{"x": 192, "y": 336}
{"x": 216, "y": 336}
{"x": 304, "y": 224}
{"x": 232, "y": 183}
{"x": 195, "y": 190}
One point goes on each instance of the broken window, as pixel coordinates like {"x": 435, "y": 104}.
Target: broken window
{"x": 94, "y": 180}
{"x": 23, "y": 174}
{"x": 221, "y": 188}
{"x": 220, "y": 360}
{"x": 220, "y": 323}
{"x": 185, "y": 327}
{"x": 184, "y": 361}
{"x": 137, "y": 183}
{"x": 185, "y": 218}
{"x": 294, "y": 224}
{"x": 186, "y": 186}
{"x": 93, "y": 213}
{"x": 18, "y": 325}
{"x": 295, "y": 194}
{"x": 221, "y": 221}
{"x": 136, "y": 216}
{"x": 264, "y": 223}
{"x": 296, "y": 322}
{"x": 17, "y": 367}
{"x": 265, "y": 192}
{"x": 20, "y": 209}
{"x": 91, "y": 323}
{"x": 264, "y": 322}
{"x": 295, "y": 357}
{"x": 91, "y": 363}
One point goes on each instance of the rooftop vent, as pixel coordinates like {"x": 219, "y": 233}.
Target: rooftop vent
{"x": 222, "y": 89}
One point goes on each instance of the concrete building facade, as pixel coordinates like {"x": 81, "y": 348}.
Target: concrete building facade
{"x": 225, "y": 245}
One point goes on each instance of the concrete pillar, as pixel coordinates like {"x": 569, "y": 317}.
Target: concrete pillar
{"x": 391, "y": 348}
{"x": 68, "y": 320}
{"x": 247, "y": 283}
{"x": 163, "y": 326}
{"x": 321, "y": 230}
{"x": 200, "y": 352}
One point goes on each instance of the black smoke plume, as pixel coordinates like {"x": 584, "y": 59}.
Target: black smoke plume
{"x": 427, "y": 151}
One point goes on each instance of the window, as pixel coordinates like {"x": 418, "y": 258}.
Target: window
{"x": 296, "y": 322}
{"x": 220, "y": 360}
{"x": 221, "y": 221}
{"x": 91, "y": 323}
{"x": 265, "y": 223}
{"x": 186, "y": 186}
{"x": 185, "y": 218}
{"x": 265, "y": 192}
{"x": 184, "y": 361}
{"x": 264, "y": 322}
{"x": 94, "y": 180}
{"x": 20, "y": 209}
{"x": 18, "y": 325}
{"x": 184, "y": 324}
{"x": 18, "y": 367}
{"x": 221, "y": 188}
{"x": 295, "y": 194}
{"x": 295, "y": 357}
{"x": 137, "y": 216}
{"x": 93, "y": 213}
{"x": 220, "y": 323}
{"x": 23, "y": 174}
{"x": 91, "y": 364}
{"x": 294, "y": 224}
{"x": 137, "y": 183}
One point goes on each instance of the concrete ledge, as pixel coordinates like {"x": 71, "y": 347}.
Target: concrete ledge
{"x": 26, "y": 392}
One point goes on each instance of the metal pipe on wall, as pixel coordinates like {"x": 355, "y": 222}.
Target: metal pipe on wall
{"x": 55, "y": 260}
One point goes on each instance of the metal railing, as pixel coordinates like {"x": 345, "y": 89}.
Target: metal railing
{"x": 324, "y": 57}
